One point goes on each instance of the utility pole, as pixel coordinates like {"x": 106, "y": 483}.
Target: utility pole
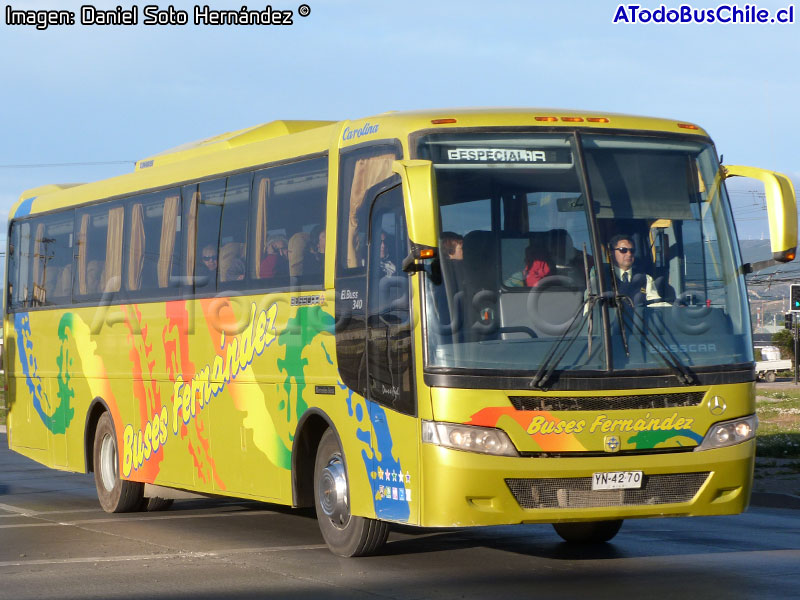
{"x": 794, "y": 344}
{"x": 794, "y": 307}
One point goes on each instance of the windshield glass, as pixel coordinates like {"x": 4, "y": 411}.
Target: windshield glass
{"x": 520, "y": 274}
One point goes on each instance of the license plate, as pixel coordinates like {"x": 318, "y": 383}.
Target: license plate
{"x": 617, "y": 480}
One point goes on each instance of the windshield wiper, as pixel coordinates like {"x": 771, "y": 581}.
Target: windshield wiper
{"x": 670, "y": 360}
{"x": 683, "y": 374}
{"x": 556, "y": 353}
{"x": 550, "y": 362}
{"x": 542, "y": 377}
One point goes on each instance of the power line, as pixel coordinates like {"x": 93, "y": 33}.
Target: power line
{"x": 73, "y": 164}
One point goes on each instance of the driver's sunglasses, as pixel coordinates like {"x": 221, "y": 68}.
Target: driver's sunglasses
{"x": 624, "y": 250}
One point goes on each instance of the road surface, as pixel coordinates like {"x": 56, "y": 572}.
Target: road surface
{"x": 56, "y": 543}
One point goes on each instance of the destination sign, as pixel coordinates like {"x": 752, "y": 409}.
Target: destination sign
{"x": 503, "y": 155}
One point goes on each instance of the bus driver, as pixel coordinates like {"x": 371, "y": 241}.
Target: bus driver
{"x": 637, "y": 286}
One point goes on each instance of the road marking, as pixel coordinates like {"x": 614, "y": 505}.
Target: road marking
{"x": 143, "y": 557}
{"x": 14, "y": 509}
{"x": 165, "y": 517}
{"x": 267, "y": 549}
{"x": 21, "y": 525}
{"x": 168, "y": 517}
{"x": 36, "y": 513}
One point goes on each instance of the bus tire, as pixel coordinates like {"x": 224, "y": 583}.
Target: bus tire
{"x": 345, "y": 534}
{"x": 115, "y": 494}
{"x": 591, "y": 532}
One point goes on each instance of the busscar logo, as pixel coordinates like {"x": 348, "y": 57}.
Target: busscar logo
{"x": 317, "y": 299}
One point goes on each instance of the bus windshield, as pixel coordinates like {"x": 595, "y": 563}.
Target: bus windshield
{"x": 586, "y": 252}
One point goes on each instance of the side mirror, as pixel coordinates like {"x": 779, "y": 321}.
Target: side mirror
{"x": 419, "y": 193}
{"x": 781, "y": 209}
{"x": 422, "y": 215}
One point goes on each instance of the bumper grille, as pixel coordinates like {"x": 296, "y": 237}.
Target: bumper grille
{"x": 576, "y": 492}
{"x": 642, "y": 401}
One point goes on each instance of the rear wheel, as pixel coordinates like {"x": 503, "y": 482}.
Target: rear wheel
{"x": 593, "y": 532}
{"x": 115, "y": 495}
{"x": 770, "y": 376}
{"x": 345, "y": 534}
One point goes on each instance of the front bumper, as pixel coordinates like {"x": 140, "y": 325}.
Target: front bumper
{"x": 463, "y": 488}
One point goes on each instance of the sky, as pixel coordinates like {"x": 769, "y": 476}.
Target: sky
{"x": 81, "y": 95}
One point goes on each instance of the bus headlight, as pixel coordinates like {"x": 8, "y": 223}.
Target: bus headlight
{"x": 486, "y": 440}
{"x": 729, "y": 433}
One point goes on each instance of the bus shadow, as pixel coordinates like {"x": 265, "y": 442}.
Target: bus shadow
{"x": 538, "y": 541}
{"x": 528, "y": 545}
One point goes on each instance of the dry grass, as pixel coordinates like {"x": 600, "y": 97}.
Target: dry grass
{"x": 779, "y": 423}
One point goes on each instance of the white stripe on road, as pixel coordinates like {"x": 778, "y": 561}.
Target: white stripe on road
{"x": 21, "y": 512}
{"x": 17, "y": 511}
{"x": 164, "y": 517}
{"x": 142, "y": 557}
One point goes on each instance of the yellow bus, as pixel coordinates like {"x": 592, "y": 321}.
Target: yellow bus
{"x": 441, "y": 318}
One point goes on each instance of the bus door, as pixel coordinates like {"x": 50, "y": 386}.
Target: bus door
{"x": 390, "y": 382}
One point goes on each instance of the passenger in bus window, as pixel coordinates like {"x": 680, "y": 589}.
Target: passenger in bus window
{"x": 275, "y": 263}
{"x": 452, "y": 245}
{"x": 231, "y": 262}
{"x": 94, "y": 276}
{"x": 631, "y": 282}
{"x": 537, "y": 265}
{"x": 388, "y": 265}
{"x": 207, "y": 273}
{"x": 298, "y": 252}
{"x": 63, "y": 283}
{"x": 235, "y": 271}
{"x": 316, "y": 252}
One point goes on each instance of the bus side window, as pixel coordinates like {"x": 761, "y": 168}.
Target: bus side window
{"x": 153, "y": 235}
{"x": 40, "y": 261}
{"x": 360, "y": 170}
{"x": 203, "y": 215}
{"x": 234, "y": 231}
{"x": 288, "y": 212}
{"x": 99, "y": 258}
{"x": 56, "y": 258}
{"x": 20, "y": 262}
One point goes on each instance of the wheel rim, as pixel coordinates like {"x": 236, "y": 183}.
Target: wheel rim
{"x": 108, "y": 462}
{"x": 333, "y": 492}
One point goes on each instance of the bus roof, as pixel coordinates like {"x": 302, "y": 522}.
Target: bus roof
{"x": 282, "y": 139}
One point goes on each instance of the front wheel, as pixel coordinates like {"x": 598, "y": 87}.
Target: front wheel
{"x": 345, "y": 534}
{"x": 115, "y": 495}
{"x": 769, "y": 377}
{"x": 592, "y": 532}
